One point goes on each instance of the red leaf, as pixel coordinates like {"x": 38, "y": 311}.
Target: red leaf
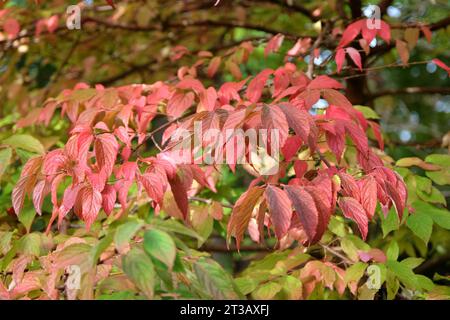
{"x": 208, "y": 100}
{"x": 353, "y": 210}
{"x": 179, "y": 103}
{"x": 69, "y": 198}
{"x": 305, "y": 208}
{"x": 11, "y": 27}
{"x": 385, "y": 31}
{"x": 351, "y": 32}
{"x": 299, "y": 120}
{"x": 280, "y": 81}
{"x": 154, "y": 185}
{"x": 273, "y": 118}
{"x": 40, "y": 191}
{"x": 280, "y": 209}
{"x": 92, "y": 202}
{"x": 402, "y": 49}
{"x": 426, "y": 32}
{"x": 109, "y": 196}
{"x": 377, "y": 133}
{"x": 336, "y": 98}
{"x": 349, "y": 186}
{"x": 26, "y": 182}
{"x": 358, "y": 137}
{"x": 213, "y": 66}
{"x": 242, "y": 212}
{"x": 368, "y": 195}
{"x": 290, "y": 147}
{"x": 256, "y": 86}
{"x": 368, "y": 34}
{"x": 340, "y": 57}
{"x": 323, "y": 208}
{"x": 52, "y": 23}
{"x": 355, "y": 56}
{"x": 106, "y": 148}
{"x": 274, "y": 44}
{"x": 180, "y": 194}
{"x": 441, "y": 64}
{"x": 300, "y": 168}
{"x": 324, "y": 82}
{"x": 394, "y": 194}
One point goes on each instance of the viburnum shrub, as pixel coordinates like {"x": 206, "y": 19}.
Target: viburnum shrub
{"x": 333, "y": 187}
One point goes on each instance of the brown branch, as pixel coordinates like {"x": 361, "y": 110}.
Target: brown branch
{"x": 201, "y": 23}
{"x": 384, "y": 4}
{"x": 379, "y": 50}
{"x": 355, "y": 7}
{"x": 222, "y": 247}
{"x": 209, "y": 201}
{"x": 418, "y": 90}
{"x": 295, "y": 7}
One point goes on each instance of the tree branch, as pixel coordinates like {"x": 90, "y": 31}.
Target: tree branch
{"x": 416, "y": 90}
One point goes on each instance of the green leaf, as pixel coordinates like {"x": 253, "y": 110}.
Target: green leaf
{"x": 246, "y": 285}
{"x": 390, "y": 222}
{"x": 217, "y": 283}
{"x": 392, "y": 285}
{"x": 139, "y": 268}
{"x": 424, "y": 282}
{"x": 291, "y": 288}
{"x": 30, "y": 244}
{"x": 125, "y": 232}
{"x": 266, "y": 291}
{"x": 26, "y": 217}
{"x": 440, "y": 216}
{"x": 412, "y": 262}
{"x": 441, "y": 177}
{"x": 5, "y": 159}
{"x": 101, "y": 246}
{"x": 355, "y": 272}
{"x": 435, "y": 196}
{"x": 368, "y": 112}
{"x": 423, "y": 184}
{"x": 161, "y": 246}
{"x": 404, "y": 273}
{"x": 392, "y": 251}
{"x": 26, "y": 142}
{"x": 172, "y": 225}
{"x": 421, "y": 225}
{"x": 337, "y": 226}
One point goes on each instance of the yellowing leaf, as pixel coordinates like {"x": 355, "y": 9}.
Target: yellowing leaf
{"x": 25, "y": 142}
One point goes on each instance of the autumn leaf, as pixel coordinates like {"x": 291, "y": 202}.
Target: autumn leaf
{"x": 305, "y": 209}
{"x": 242, "y": 212}
{"x": 353, "y": 210}
{"x": 280, "y": 209}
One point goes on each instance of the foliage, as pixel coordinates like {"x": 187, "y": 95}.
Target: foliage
{"x": 94, "y": 203}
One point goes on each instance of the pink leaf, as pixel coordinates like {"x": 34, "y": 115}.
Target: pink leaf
{"x": 106, "y": 148}
{"x": 92, "y": 202}
{"x": 351, "y": 32}
{"x": 11, "y": 27}
{"x": 305, "y": 208}
{"x": 109, "y": 196}
{"x": 355, "y": 56}
{"x": 340, "y": 56}
{"x": 273, "y": 119}
{"x": 441, "y": 64}
{"x": 256, "y": 86}
{"x": 324, "y": 82}
{"x": 280, "y": 209}
{"x": 354, "y": 211}
{"x": 368, "y": 195}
